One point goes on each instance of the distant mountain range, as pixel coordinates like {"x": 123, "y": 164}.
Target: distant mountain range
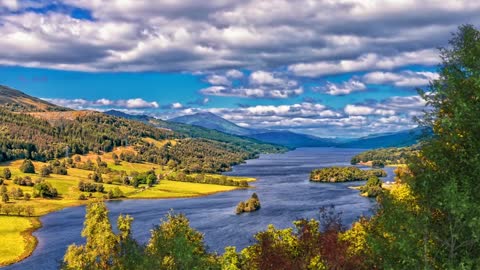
{"x": 212, "y": 121}
{"x": 211, "y": 126}
{"x": 393, "y": 139}
{"x": 294, "y": 140}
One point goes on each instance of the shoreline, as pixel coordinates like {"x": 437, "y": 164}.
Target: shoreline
{"x": 32, "y": 241}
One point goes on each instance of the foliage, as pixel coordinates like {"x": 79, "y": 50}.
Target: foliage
{"x": 90, "y": 187}
{"x": 27, "y": 166}
{"x": 373, "y": 187}
{"x": 344, "y": 174}
{"x": 17, "y": 210}
{"x": 7, "y": 174}
{"x": 175, "y": 244}
{"x": 43, "y": 189}
{"x": 101, "y": 248}
{"x": 386, "y": 156}
{"x": 434, "y": 222}
{"x": 252, "y": 204}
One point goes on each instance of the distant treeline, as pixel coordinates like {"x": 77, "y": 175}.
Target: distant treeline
{"x": 386, "y": 156}
{"x": 344, "y": 174}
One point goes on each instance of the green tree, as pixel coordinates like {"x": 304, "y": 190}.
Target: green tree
{"x": 7, "y": 173}
{"x": 175, "y": 245}
{"x": 438, "y": 224}
{"x": 27, "y": 166}
{"x": 46, "y": 170}
{"x": 5, "y": 198}
{"x": 99, "y": 251}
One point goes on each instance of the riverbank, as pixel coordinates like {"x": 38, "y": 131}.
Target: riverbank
{"x": 19, "y": 229}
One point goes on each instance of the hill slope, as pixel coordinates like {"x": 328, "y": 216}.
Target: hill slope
{"x": 212, "y": 121}
{"x": 397, "y": 139}
{"x": 18, "y": 101}
{"x": 192, "y": 131}
{"x": 293, "y": 140}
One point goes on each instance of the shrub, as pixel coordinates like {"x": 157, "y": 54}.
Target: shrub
{"x": 7, "y": 173}
{"x": 27, "y": 166}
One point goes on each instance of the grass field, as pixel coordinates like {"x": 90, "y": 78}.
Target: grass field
{"x": 16, "y": 241}
{"x": 11, "y": 228}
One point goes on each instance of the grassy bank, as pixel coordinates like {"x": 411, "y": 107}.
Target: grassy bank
{"x": 16, "y": 232}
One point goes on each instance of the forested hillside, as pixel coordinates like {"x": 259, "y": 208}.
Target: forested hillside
{"x": 20, "y": 102}
{"x": 46, "y": 135}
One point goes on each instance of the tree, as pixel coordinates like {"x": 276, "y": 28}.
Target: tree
{"x": 5, "y": 198}
{"x": 432, "y": 221}
{"x": 46, "y": 170}
{"x": 27, "y": 166}
{"x": 99, "y": 251}
{"x": 7, "y": 173}
{"x": 175, "y": 244}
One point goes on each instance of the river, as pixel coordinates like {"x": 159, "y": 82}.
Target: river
{"x": 282, "y": 186}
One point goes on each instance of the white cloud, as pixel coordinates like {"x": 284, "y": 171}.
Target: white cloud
{"x": 365, "y": 62}
{"x": 135, "y": 103}
{"x": 233, "y": 73}
{"x": 344, "y": 88}
{"x": 177, "y": 105}
{"x": 245, "y": 92}
{"x": 218, "y": 80}
{"x": 403, "y": 79}
{"x": 128, "y": 35}
{"x": 266, "y": 78}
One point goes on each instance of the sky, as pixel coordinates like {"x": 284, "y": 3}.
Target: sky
{"x": 328, "y": 68}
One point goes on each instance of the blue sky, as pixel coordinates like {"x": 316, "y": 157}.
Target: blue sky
{"x": 333, "y": 69}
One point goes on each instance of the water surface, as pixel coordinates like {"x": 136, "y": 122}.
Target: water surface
{"x": 282, "y": 186}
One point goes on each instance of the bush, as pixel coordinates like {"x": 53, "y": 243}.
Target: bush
{"x": 25, "y": 181}
{"x": 7, "y": 174}
{"x": 252, "y": 204}
{"x": 46, "y": 170}
{"x": 27, "y": 166}
{"x": 43, "y": 189}
{"x": 90, "y": 187}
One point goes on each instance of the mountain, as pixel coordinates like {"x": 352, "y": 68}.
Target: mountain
{"x": 212, "y": 121}
{"x": 394, "y": 139}
{"x": 279, "y": 137}
{"x": 17, "y": 101}
{"x": 191, "y": 131}
{"x": 292, "y": 140}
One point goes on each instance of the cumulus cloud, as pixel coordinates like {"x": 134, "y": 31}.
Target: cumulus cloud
{"x": 251, "y": 92}
{"x": 218, "y": 80}
{"x": 260, "y": 84}
{"x": 177, "y": 105}
{"x": 344, "y": 88}
{"x": 359, "y": 119}
{"x": 135, "y": 103}
{"x": 127, "y": 35}
{"x": 366, "y": 62}
{"x": 403, "y": 79}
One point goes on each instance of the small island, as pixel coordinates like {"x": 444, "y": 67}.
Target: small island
{"x": 344, "y": 174}
{"x": 252, "y": 204}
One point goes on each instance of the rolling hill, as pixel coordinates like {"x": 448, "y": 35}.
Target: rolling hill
{"x": 18, "y": 101}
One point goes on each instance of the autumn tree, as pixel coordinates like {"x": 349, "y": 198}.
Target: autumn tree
{"x": 432, "y": 221}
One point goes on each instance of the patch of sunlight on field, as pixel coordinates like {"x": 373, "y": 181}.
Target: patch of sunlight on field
{"x": 170, "y": 189}
{"x": 13, "y": 245}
